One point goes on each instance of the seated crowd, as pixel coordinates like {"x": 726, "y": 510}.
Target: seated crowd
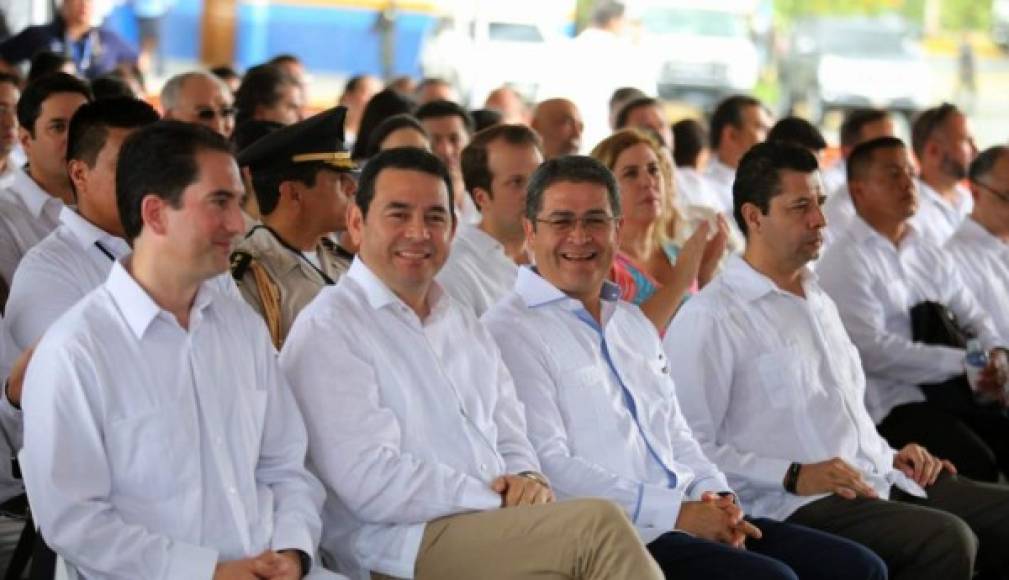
{"x": 403, "y": 339}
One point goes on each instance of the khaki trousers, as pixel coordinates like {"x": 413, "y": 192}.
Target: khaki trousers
{"x": 580, "y": 539}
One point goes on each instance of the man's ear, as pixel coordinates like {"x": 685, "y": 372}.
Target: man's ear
{"x": 355, "y": 223}
{"x": 153, "y": 214}
{"x": 78, "y": 172}
{"x": 481, "y": 196}
{"x": 24, "y": 138}
{"x": 752, "y": 216}
{"x": 290, "y": 191}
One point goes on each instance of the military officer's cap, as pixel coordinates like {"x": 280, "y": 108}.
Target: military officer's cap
{"x": 318, "y": 138}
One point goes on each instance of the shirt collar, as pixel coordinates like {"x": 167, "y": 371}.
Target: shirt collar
{"x": 34, "y": 197}
{"x": 537, "y": 291}
{"x": 861, "y": 231}
{"x": 752, "y": 285}
{"x": 975, "y": 232}
{"x": 137, "y": 306}
{"x": 479, "y": 238}
{"x": 931, "y": 194}
{"x": 378, "y": 293}
{"x": 88, "y": 234}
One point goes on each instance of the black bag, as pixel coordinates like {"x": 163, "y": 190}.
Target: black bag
{"x": 933, "y": 323}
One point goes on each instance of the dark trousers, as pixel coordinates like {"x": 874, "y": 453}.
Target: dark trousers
{"x": 976, "y": 442}
{"x": 786, "y": 552}
{"x": 962, "y": 527}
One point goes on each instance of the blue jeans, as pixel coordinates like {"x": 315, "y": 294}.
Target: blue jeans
{"x": 786, "y": 552}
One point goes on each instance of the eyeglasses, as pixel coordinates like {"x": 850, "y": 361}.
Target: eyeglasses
{"x": 593, "y": 223}
{"x": 208, "y": 114}
{"x": 999, "y": 194}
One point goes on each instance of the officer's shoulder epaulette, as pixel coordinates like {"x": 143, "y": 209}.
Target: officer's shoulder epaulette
{"x": 240, "y": 262}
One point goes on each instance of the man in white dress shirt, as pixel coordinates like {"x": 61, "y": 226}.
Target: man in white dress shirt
{"x": 77, "y": 257}
{"x": 31, "y": 203}
{"x": 450, "y": 127}
{"x": 413, "y": 423}
{"x": 882, "y": 268}
{"x": 738, "y": 123}
{"x": 602, "y": 409}
{"x": 859, "y": 126}
{"x": 160, "y": 438}
{"x": 980, "y": 247}
{"x": 483, "y": 263}
{"x": 944, "y": 145}
{"x": 774, "y": 391}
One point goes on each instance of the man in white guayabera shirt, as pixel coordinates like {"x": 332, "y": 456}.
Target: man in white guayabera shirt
{"x": 160, "y": 439}
{"x": 602, "y": 408}
{"x": 413, "y": 424}
{"x": 774, "y": 391}
{"x": 483, "y": 263}
{"x": 980, "y": 247}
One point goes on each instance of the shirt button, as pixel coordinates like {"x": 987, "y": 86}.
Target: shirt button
{"x": 483, "y": 467}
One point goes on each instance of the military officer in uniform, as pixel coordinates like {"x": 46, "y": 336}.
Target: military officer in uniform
{"x": 303, "y": 180}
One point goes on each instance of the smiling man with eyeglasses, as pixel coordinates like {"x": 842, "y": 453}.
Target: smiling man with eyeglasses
{"x": 981, "y": 245}
{"x": 201, "y": 98}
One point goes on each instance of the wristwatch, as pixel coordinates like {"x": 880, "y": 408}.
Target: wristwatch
{"x": 535, "y": 477}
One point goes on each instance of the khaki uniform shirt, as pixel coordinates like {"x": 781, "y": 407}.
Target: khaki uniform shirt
{"x": 278, "y": 281}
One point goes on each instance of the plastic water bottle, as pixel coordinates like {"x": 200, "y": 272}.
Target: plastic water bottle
{"x": 974, "y": 362}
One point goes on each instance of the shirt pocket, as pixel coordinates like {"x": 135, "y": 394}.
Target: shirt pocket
{"x": 144, "y": 450}
{"x": 782, "y": 377}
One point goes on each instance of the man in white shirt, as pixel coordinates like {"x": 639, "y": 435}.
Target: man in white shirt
{"x": 944, "y": 145}
{"x": 859, "y": 126}
{"x": 414, "y": 428}
{"x": 882, "y": 268}
{"x": 980, "y": 247}
{"x": 77, "y": 257}
{"x": 30, "y": 205}
{"x": 738, "y": 123}
{"x": 559, "y": 123}
{"x": 773, "y": 389}
{"x": 450, "y": 128}
{"x": 602, "y": 409}
{"x": 10, "y": 92}
{"x": 156, "y": 419}
{"x": 199, "y": 97}
{"x": 483, "y": 263}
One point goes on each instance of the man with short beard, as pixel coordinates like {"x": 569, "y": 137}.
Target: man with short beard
{"x": 944, "y": 146}
{"x": 559, "y": 124}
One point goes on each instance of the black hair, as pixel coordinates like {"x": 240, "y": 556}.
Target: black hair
{"x": 484, "y": 118}
{"x": 409, "y": 158}
{"x": 855, "y": 121}
{"x": 225, "y": 72}
{"x": 260, "y": 88}
{"x": 928, "y": 123}
{"x": 11, "y": 79}
{"x": 251, "y": 131}
{"x": 390, "y": 126}
{"x": 266, "y": 182}
{"x": 111, "y": 86}
{"x": 37, "y": 91}
{"x": 45, "y": 63}
{"x": 569, "y": 168}
{"x": 637, "y": 103}
{"x": 690, "y": 137}
{"x": 860, "y": 158}
{"x": 437, "y": 109}
{"x": 797, "y": 131}
{"x": 385, "y": 104}
{"x": 985, "y": 162}
{"x": 729, "y": 112}
{"x": 624, "y": 94}
{"x": 475, "y": 169}
{"x": 89, "y": 127}
{"x": 160, "y": 159}
{"x": 758, "y": 178}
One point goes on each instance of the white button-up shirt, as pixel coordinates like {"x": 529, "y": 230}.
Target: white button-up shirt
{"x": 875, "y": 285}
{"x": 152, "y": 451}
{"x": 720, "y": 178}
{"x": 835, "y": 176}
{"x": 409, "y": 420}
{"x": 767, "y": 378}
{"x": 10, "y": 421}
{"x": 839, "y": 211}
{"x": 693, "y": 189}
{"x": 983, "y": 260}
{"x": 27, "y": 214}
{"x": 478, "y": 273}
{"x": 937, "y": 219}
{"x": 600, "y": 403}
{"x": 60, "y": 270}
